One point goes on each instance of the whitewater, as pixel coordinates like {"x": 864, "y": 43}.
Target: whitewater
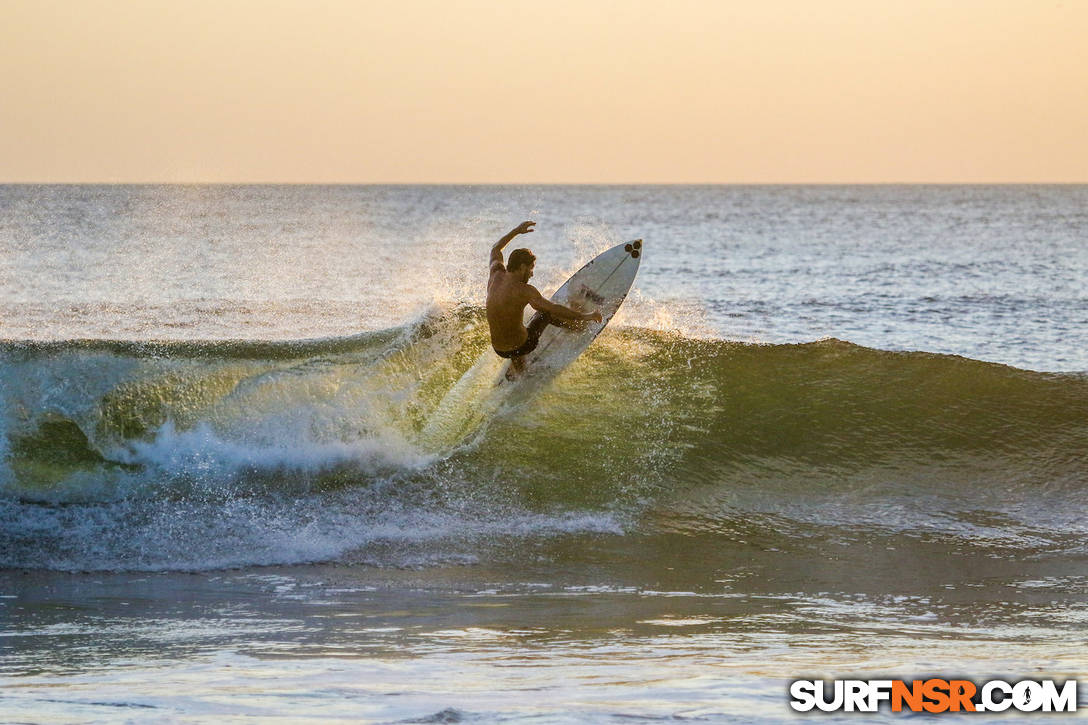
{"x": 248, "y": 435}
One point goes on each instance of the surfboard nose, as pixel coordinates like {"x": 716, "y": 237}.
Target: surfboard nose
{"x": 633, "y": 248}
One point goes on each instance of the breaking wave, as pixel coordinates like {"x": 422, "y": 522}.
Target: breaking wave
{"x": 395, "y": 448}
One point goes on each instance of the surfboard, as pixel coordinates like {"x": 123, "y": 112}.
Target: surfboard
{"x": 602, "y": 284}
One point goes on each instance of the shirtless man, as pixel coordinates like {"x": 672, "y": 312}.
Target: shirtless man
{"x": 508, "y": 291}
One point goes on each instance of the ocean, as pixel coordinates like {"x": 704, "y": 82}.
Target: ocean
{"x": 834, "y": 432}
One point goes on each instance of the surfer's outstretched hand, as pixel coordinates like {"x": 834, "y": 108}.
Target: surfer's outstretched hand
{"x": 595, "y": 316}
{"x": 524, "y": 228}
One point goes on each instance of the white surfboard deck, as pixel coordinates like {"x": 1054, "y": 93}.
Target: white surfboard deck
{"x": 602, "y": 284}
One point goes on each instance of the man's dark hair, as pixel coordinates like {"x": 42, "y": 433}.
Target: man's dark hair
{"x": 519, "y": 257}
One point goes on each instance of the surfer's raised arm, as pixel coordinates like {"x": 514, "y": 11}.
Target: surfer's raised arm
{"x": 539, "y": 302}
{"x": 496, "y": 250}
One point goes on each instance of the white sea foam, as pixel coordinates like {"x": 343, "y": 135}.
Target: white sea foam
{"x": 202, "y": 449}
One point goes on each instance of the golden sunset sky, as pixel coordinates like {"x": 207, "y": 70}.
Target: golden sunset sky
{"x": 567, "y": 91}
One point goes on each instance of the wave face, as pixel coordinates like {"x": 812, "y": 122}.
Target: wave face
{"x": 393, "y": 448}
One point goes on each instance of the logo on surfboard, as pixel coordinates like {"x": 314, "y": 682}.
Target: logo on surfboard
{"x": 589, "y": 295}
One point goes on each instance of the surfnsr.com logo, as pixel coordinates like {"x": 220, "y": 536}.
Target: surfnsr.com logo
{"x": 933, "y": 695}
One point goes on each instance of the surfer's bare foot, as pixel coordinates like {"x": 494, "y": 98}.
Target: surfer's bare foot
{"x": 517, "y": 367}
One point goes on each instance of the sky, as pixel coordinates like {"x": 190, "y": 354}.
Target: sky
{"x": 556, "y": 91}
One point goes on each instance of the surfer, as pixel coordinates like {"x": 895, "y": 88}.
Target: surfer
{"x": 508, "y": 291}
